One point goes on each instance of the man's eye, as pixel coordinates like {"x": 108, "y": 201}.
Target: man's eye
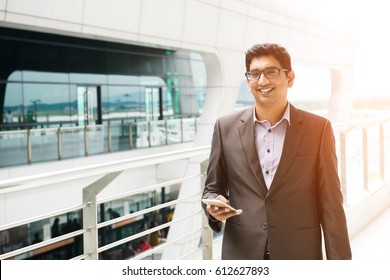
{"x": 271, "y": 72}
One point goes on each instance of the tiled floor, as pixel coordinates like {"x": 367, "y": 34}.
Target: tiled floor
{"x": 373, "y": 243}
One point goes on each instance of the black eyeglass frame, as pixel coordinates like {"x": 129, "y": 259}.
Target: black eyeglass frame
{"x": 248, "y": 74}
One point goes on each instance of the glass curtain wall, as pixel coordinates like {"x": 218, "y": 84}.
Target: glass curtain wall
{"x": 53, "y": 80}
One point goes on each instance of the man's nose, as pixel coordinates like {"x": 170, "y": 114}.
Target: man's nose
{"x": 263, "y": 80}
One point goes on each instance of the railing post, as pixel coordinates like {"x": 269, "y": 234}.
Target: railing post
{"x": 90, "y": 219}
{"x": 86, "y": 140}
{"x": 343, "y": 166}
{"x": 207, "y": 233}
{"x": 109, "y": 136}
{"x": 365, "y": 159}
{"x": 130, "y": 136}
{"x": 59, "y": 143}
{"x": 29, "y": 152}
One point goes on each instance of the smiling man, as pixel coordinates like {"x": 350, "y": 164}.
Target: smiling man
{"x": 277, "y": 166}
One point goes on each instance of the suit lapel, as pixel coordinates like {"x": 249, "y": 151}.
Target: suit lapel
{"x": 291, "y": 144}
{"x": 248, "y": 145}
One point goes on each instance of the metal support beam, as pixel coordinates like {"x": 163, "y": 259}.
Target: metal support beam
{"x": 207, "y": 233}
{"x": 90, "y": 219}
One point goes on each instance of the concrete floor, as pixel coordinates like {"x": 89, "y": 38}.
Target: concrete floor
{"x": 373, "y": 243}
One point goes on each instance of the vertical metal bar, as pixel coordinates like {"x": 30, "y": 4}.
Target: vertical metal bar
{"x": 90, "y": 219}
{"x": 59, "y": 143}
{"x": 365, "y": 159}
{"x": 207, "y": 233}
{"x": 343, "y": 166}
{"x": 130, "y": 136}
{"x": 109, "y": 140}
{"x": 29, "y": 151}
{"x": 86, "y": 140}
{"x": 382, "y": 150}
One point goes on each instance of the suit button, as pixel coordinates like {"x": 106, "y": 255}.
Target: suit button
{"x": 264, "y": 226}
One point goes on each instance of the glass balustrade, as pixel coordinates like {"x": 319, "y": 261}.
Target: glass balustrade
{"x": 34, "y": 144}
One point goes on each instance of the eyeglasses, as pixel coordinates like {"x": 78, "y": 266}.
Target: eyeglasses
{"x": 269, "y": 73}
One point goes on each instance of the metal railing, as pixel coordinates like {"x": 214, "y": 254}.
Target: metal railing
{"x": 362, "y": 148}
{"x": 90, "y": 206}
{"x": 32, "y": 144}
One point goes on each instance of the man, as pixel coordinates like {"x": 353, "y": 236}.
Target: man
{"x": 277, "y": 166}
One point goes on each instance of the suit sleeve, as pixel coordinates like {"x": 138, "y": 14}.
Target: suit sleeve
{"x": 216, "y": 183}
{"x": 330, "y": 199}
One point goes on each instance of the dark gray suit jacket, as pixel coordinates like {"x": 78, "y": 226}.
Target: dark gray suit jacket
{"x": 304, "y": 197}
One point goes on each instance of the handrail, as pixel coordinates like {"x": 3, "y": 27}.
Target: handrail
{"x": 42, "y": 244}
{"x": 44, "y": 179}
{"x": 145, "y": 211}
{"x": 42, "y": 217}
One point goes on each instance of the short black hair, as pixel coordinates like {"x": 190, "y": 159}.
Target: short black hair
{"x": 276, "y": 50}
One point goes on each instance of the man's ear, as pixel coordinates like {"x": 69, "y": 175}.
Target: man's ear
{"x": 290, "y": 78}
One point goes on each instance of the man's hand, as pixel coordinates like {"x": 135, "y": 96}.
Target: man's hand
{"x": 222, "y": 213}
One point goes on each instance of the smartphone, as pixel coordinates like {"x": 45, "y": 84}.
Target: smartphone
{"x": 216, "y": 202}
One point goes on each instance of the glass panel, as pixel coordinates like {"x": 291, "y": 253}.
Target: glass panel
{"x": 15, "y": 76}
{"x": 44, "y": 145}
{"x": 119, "y": 137}
{"x": 142, "y": 135}
{"x": 13, "y": 148}
{"x": 174, "y": 131}
{"x": 157, "y": 133}
{"x": 72, "y": 140}
{"x": 125, "y": 103}
{"x": 13, "y": 102}
{"x": 35, "y": 76}
{"x": 123, "y": 80}
{"x": 96, "y": 140}
{"x": 47, "y": 103}
{"x": 96, "y": 79}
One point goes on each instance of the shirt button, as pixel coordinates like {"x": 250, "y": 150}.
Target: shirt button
{"x": 268, "y": 151}
{"x": 267, "y": 172}
{"x": 264, "y": 226}
{"x": 269, "y": 130}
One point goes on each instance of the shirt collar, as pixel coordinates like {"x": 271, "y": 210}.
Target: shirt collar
{"x": 286, "y": 115}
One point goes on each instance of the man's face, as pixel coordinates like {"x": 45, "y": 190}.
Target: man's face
{"x": 269, "y": 91}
